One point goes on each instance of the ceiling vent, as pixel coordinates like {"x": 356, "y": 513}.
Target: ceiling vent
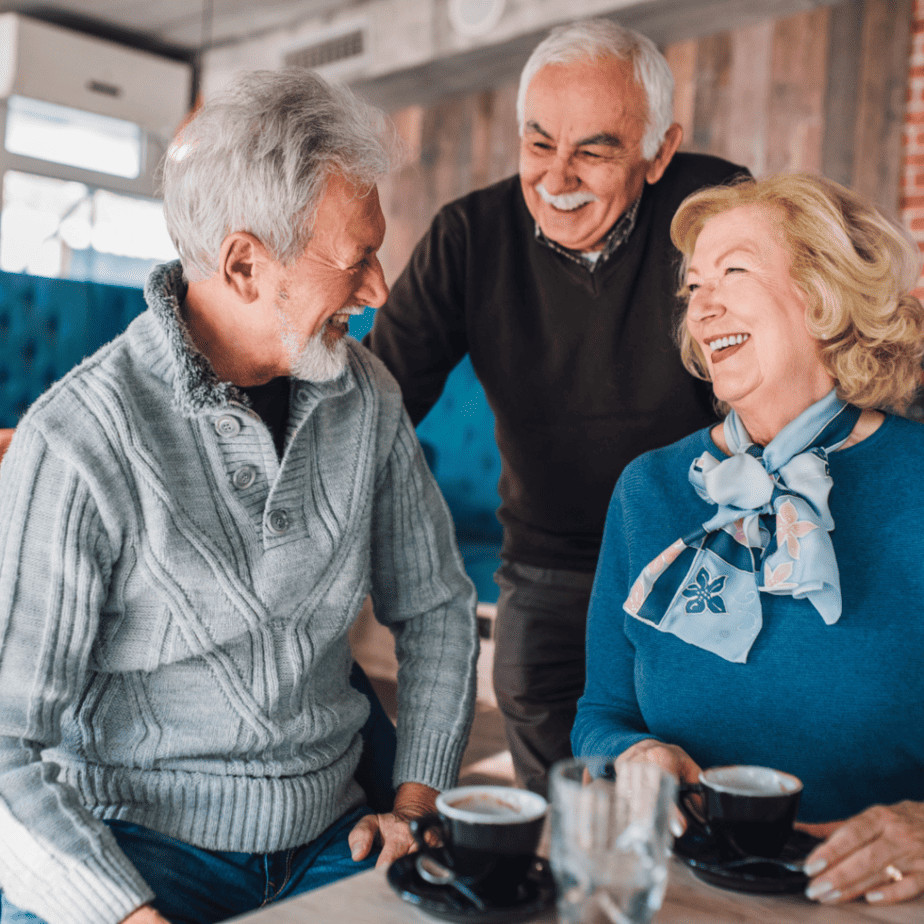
{"x": 333, "y": 50}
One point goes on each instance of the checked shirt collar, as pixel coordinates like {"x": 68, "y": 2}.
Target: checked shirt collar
{"x": 614, "y": 239}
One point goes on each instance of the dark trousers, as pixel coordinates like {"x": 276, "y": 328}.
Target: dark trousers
{"x": 539, "y": 663}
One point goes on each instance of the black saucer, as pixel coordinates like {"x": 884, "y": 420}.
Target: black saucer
{"x": 536, "y": 894}
{"x": 707, "y": 860}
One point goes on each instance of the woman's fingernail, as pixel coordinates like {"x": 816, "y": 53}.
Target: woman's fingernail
{"x": 676, "y": 827}
{"x": 817, "y": 889}
{"x": 815, "y": 867}
{"x": 874, "y": 896}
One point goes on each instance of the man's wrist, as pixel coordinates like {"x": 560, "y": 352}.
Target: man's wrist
{"x": 415, "y": 799}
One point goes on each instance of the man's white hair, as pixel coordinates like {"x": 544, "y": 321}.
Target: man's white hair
{"x": 603, "y": 38}
{"x": 257, "y": 159}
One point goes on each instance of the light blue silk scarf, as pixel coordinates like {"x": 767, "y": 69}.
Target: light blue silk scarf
{"x": 770, "y": 533}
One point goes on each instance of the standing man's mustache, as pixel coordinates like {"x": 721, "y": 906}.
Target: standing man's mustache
{"x": 567, "y": 202}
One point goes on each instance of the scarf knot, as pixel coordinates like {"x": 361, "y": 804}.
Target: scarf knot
{"x": 739, "y": 482}
{"x": 770, "y": 533}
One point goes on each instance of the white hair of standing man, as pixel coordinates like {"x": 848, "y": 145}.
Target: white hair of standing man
{"x": 603, "y": 38}
{"x": 257, "y": 158}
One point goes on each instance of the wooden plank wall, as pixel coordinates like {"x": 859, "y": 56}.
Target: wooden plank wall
{"x": 456, "y": 145}
{"x": 821, "y": 91}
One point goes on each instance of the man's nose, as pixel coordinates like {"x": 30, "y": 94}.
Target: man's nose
{"x": 374, "y": 291}
{"x": 560, "y": 177}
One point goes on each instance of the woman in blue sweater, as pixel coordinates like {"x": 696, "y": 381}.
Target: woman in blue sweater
{"x": 757, "y": 598}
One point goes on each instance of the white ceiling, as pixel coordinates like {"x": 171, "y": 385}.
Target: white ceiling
{"x": 184, "y": 25}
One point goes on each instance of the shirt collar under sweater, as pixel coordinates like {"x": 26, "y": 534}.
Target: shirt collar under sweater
{"x": 196, "y": 387}
{"x": 614, "y": 239}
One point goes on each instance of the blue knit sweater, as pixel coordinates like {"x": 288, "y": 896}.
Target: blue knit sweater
{"x": 840, "y": 706}
{"x": 174, "y": 609}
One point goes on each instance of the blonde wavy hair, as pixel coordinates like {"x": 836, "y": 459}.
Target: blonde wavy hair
{"x": 853, "y": 265}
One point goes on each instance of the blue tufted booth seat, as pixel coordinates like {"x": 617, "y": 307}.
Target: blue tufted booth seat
{"x": 47, "y": 326}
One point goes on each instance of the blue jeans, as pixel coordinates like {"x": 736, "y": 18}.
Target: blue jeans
{"x": 196, "y": 886}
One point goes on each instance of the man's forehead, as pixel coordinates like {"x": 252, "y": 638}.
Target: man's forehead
{"x": 596, "y": 97}
{"x": 369, "y": 225}
{"x": 352, "y": 214}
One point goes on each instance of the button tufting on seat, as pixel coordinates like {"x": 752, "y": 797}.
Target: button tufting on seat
{"x": 227, "y": 425}
{"x": 244, "y": 477}
{"x": 47, "y": 326}
{"x": 277, "y": 522}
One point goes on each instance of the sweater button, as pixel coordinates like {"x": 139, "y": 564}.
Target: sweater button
{"x": 278, "y": 522}
{"x": 227, "y": 425}
{"x": 244, "y": 477}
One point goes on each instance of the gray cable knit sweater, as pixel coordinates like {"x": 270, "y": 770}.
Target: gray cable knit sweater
{"x": 174, "y": 607}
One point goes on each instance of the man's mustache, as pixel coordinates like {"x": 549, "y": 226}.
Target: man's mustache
{"x": 566, "y": 202}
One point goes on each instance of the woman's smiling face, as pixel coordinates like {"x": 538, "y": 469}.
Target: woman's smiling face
{"x": 747, "y": 316}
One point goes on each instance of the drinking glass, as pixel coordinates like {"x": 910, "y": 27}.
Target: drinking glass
{"x": 610, "y": 839}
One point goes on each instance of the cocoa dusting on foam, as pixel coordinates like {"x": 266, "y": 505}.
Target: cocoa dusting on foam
{"x": 482, "y": 804}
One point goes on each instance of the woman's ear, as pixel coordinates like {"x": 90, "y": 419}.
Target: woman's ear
{"x": 241, "y": 262}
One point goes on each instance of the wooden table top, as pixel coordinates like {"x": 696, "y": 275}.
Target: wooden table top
{"x": 367, "y": 899}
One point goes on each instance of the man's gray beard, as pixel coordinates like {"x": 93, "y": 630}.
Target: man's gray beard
{"x": 317, "y": 362}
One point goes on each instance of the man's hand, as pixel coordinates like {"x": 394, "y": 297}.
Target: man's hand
{"x": 145, "y": 915}
{"x": 391, "y": 829}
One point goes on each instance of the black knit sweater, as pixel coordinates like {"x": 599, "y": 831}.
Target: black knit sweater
{"x": 580, "y": 368}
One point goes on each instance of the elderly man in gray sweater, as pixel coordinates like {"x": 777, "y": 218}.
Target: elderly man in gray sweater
{"x": 191, "y": 521}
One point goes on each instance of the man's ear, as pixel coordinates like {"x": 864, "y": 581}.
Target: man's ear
{"x": 241, "y": 262}
{"x": 672, "y": 138}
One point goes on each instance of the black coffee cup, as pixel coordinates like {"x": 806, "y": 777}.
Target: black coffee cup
{"x": 487, "y": 836}
{"x": 749, "y": 810}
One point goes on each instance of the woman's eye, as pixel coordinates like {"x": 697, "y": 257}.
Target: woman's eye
{"x": 736, "y": 269}
{"x": 692, "y": 287}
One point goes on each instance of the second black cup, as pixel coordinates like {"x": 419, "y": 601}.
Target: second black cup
{"x": 488, "y": 835}
{"x": 750, "y": 810}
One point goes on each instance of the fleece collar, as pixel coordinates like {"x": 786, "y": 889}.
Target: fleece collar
{"x": 196, "y": 387}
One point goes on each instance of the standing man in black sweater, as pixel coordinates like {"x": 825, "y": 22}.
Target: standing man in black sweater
{"x": 559, "y": 283}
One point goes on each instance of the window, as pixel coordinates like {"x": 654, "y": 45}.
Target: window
{"x": 53, "y": 227}
{"x": 56, "y": 219}
{"x": 68, "y": 136}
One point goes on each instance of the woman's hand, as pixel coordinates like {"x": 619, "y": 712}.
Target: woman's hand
{"x": 669, "y": 757}
{"x": 878, "y": 854}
